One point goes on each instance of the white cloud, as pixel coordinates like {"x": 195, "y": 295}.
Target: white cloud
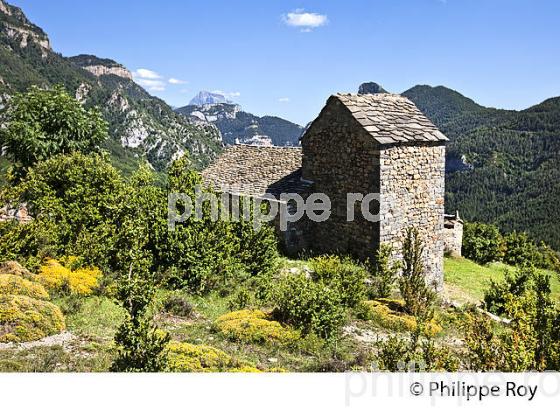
{"x": 226, "y": 94}
{"x": 146, "y": 74}
{"x": 284, "y": 100}
{"x": 305, "y": 21}
{"x": 149, "y": 79}
{"x": 176, "y": 81}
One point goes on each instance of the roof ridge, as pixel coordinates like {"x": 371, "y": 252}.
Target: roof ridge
{"x": 262, "y": 146}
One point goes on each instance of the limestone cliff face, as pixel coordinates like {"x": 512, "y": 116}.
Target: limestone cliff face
{"x": 99, "y": 70}
{"x": 15, "y": 26}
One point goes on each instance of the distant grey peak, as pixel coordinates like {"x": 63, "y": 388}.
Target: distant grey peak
{"x": 207, "y": 97}
{"x": 371, "y": 88}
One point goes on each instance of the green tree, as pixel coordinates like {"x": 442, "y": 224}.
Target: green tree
{"x": 42, "y": 123}
{"x": 141, "y": 345}
{"x": 482, "y": 243}
{"x": 383, "y": 273}
{"x": 417, "y": 293}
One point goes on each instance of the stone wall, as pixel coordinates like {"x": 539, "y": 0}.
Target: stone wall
{"x": 339, "y": 157}
{"x": 412, "y": 195}
{"x": 453, "y": 235}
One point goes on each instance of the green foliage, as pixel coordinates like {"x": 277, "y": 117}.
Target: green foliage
{"x": 482, "y": 243}
{"x": 519, "y": 249}
{"x": 16, "y": 285}
{"x": 44, "y": 123}
{"x": 418, "y": 295}
{"x": 397, "y": 354}
{"x": 512, "y": 175}
{"x": 342, "y": 275}
{"x": 513, "y": 285}
{"x": 24, "y": 319}
{"x": 530, "y": 341}
{"x": 312, "y": 307}
{"x": 178, "y": 306}
{"x": 382, "y": 273}
{"x": 141, "y": 345}
{"x": 187, "y": 358}
{"x": 389, "y": 314}
{"x": 254, "y": 326}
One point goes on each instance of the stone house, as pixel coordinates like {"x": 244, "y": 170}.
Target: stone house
{"x": 453, "y": 234}
{"x": 359, "y": 144}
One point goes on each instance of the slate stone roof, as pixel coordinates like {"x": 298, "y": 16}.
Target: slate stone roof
{"x": 390, "y": 118}
{"x": 256, "y": 170}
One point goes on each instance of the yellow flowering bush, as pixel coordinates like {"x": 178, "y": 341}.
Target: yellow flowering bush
{"x": 24, "y": 319}
{"x": 252, "y": 326}
{"x": 388, "y": 313}
{"x": 16, "y": 285}
{"x": 187, "y": 357}
{"x": 14, "y": 268}
{"x": 57, "y": 277}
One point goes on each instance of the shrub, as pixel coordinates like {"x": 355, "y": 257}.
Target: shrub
{"x": 482, "y": 243}
{"x": 417, "y": 294}
{"x": 24, "y": 319}
{"x": 186, "y": 357}
{"x": 312, "y": 307}
{"x": 42, "y": 123}
{"x": 342, "y": 275}
{"x": 382, "y": 273}
{"x": 241, "y": 300}
{"x": 388, "y": 313}
{"x": 178, "y": 306}
{"x": 515, "y": 285}
{"x": 393, "y": 354}
{"x": 14, "y": 268}
{"x": 16, "y": 285}
{"x": 253, "y": 326}
{"x": 141, "y": 346}
{"x": 56, "y": 277}
{"x": 519, "y": 249}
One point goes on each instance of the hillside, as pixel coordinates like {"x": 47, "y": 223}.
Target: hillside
{"x": 503, "y": 165}
{"x": 238, "y": 126}
{"x": 140, "y": 125}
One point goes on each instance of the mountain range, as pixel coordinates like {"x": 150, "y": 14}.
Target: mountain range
{"x": 503, "y": 166}
{"x": 238, "y": 126}
{"x": 141, "y": 126}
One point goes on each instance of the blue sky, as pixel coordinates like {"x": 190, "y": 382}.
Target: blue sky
{"x": 286, "y": 57}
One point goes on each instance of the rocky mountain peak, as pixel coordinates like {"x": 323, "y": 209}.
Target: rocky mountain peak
{"x": 101, "y": 66}
{"x": 207, "y": 97}
{"x": 371, "y": 88}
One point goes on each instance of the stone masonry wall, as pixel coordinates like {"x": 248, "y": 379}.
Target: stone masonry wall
{"x": 453, "y": 238}
{"x": 339, "y": 157}
{"x": 412, "y": 194}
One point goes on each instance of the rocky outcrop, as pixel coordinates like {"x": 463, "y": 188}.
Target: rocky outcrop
{"x": 99, "y": 70}
{"x": 25, "y": 35}
{"x": 239, "y": 127}
{"x": 371, "y": 88}
{"x": 4, "y": 8}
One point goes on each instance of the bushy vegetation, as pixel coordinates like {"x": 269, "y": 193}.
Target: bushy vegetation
{"x": 187, "y": 358}
{"x": 43, "y": 123}
{"x": 382, "y": 273}
{"x": 484, "y": 243}
{"x": 254, "y": 326}
{"x": 531, "y": 339}
{"x": 17, "y": 285}
{"x": 418, "y": 294}
{"x": 312, "y": 307}
{"x": 61, "y": 279}
{"x": 342, "y": 275}
{"x": 23, "y": 319}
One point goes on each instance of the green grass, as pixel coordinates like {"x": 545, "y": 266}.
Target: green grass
{"x": 467, "y": 281}
{"x": 96, "y": 318}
